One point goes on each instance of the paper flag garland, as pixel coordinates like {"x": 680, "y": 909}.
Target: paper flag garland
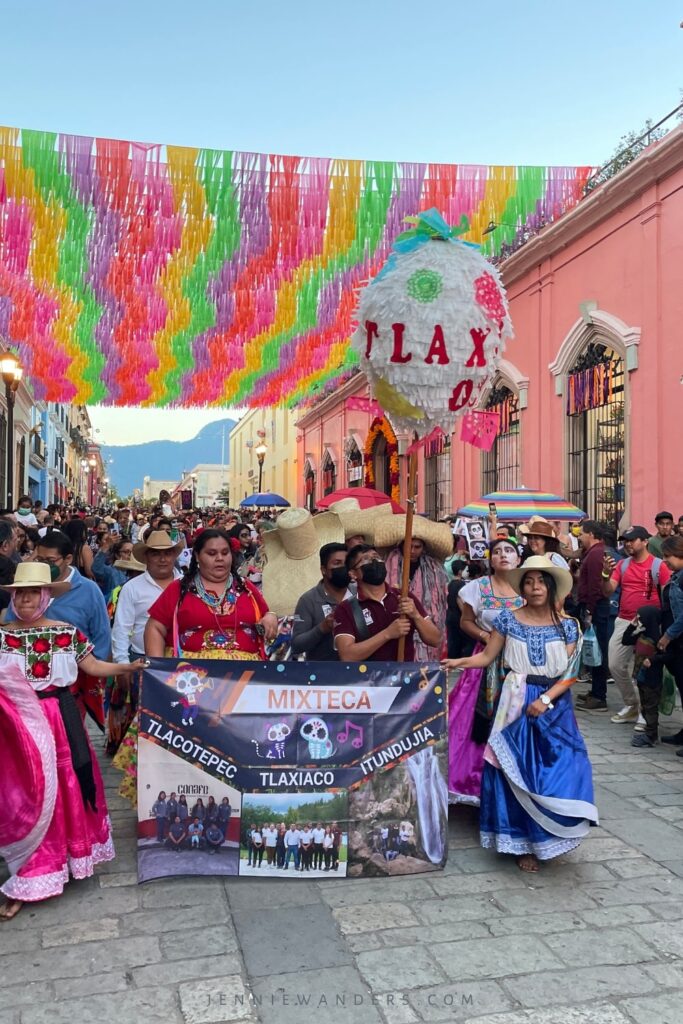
{"x": 142, "y": 274}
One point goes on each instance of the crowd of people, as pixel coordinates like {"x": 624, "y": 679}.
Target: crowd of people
{"x": 122, "y": 585}
{"x": 314, "y": 846}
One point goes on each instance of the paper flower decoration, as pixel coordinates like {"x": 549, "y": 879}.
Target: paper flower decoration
{"x": 431, "y": 326}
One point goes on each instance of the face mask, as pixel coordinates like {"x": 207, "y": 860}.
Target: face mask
{"x": 373, "y": 573}
{"x": 24, "y": 511}
{"x": 576, "y": 531}
{"x": 339, "y": 577}
{"x": 54, "y": 573}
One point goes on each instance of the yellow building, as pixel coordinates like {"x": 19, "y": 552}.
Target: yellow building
{"x": 273, "y": 428}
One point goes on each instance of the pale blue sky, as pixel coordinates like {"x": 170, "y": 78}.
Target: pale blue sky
{"x": 503, "y": 81}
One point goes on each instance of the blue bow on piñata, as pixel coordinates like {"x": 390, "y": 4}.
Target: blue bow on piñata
{"x": 429, "y": 226}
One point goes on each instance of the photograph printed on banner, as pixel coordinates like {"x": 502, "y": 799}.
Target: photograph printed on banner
{"x": 188, "y": 821}
{"x": 292, "y": 835}
{"x": 399, "y": 817}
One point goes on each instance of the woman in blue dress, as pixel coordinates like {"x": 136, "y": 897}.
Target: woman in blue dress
{"x": 537, "y": 786}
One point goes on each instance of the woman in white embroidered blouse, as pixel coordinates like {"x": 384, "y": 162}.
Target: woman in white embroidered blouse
{"x": 537, "y": 787}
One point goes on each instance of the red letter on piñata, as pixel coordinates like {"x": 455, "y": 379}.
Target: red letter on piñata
{"x": 461, "y": 395}
{"x": 478, "y": 338}
{"x": 370, "y": 333}
{"x": 397, "y": 356}
{"x": 438, "y": 348}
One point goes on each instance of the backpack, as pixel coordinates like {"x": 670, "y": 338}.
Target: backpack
{"x": 656, "y": 566}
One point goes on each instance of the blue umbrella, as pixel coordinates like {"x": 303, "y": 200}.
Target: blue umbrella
{"x": 265, "y": 500}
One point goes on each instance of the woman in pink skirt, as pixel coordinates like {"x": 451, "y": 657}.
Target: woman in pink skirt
{"x": 471, "y": 701}
{"x": 53, "y": 820}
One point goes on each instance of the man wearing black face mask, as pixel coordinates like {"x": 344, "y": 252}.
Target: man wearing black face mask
{"x": 367, "y": 628}
{"x": 314, "y": 613}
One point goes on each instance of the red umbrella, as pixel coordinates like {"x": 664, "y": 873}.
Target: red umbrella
{"x": 367, "y": 497}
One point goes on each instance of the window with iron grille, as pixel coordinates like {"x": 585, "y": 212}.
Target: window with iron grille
{"x": 500, "y": 467}
{"x": 329, "y": 474}
{"x": 595, "y": 395}
{"x": 354, "y": 465}
{"x": 437, "y": 468}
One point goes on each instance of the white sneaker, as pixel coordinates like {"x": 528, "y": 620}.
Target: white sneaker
{"x": 629, "y": 713}
{"x": 640, "y": 724}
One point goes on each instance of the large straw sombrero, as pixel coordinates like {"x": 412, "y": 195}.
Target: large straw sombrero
{"x": 157, "y": 540}
{"x": 359, "y": 521}
{"x": 541, "y": 563}
{"x": 437, "y": 537}
{"x": 293, "y": 555}
{"x": 35, "y": 575}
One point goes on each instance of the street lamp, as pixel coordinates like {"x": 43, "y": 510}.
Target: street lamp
{"x": 12, "y": 372}
{"x": 193, "y": 478}
{"x": 260, "y": 450}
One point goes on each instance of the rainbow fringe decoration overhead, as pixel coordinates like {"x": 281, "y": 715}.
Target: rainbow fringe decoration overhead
{"x": 135, "y": 274}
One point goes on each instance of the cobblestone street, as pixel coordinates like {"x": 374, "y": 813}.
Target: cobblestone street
{"x": 594, "y": 937}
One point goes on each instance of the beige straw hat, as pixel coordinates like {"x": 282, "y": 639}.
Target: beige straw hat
{"x": 293, "y": 555}
{"x": 157, "y": 540}
{"x": 130, "y": 565}
{"x": 35, "y": 575}
{"x": 541, "y": 563}
{"x": 359, "y": 521}
{"x": 437, "y": 537}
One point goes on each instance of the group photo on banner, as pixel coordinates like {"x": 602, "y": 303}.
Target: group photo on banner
{"x": 291, "y": 769}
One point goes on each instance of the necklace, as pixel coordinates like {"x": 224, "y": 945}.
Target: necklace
{"x": 215, "y": 601}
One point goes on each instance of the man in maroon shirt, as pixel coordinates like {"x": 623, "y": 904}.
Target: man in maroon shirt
{"x": 367, "y": 628}
{"x": 593, "y": 609}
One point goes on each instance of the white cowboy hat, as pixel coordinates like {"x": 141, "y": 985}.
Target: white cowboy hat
{"x": 541, "y": 563}
{"x": 293, "y": 555}
{"x": 157, "y": 540}
{"x": 359, "y": 521}
{"x": 437, "y": 537}
{"x": 35, "y": 575}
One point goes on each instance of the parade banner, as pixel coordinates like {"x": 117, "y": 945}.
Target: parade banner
{"x": 291, "y": 770}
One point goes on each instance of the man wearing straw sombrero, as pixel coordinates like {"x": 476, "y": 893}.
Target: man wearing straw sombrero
{"x": 431, "y": 545}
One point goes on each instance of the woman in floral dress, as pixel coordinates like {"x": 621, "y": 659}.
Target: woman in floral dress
{"x": 53, "y": 820}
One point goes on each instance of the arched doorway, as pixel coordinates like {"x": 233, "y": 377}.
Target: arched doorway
{"x": 381, "y": 458}
{"x": 596, "y": 442}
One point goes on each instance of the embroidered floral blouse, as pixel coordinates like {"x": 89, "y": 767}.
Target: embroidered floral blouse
{"x": 49, "y": 655}
{"x": 536, "y": 650}
{"x": 486, "y": 605}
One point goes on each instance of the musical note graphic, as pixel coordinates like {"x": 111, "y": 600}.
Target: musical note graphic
{"x": 424, "y": 678}
{"x": 342, "y": 737}
{"x": 416, "y": 705}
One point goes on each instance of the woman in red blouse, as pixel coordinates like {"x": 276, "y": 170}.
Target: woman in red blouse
{"x": 212, "y": 612}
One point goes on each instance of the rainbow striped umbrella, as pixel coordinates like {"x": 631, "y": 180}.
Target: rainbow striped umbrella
{"x": 521, "y": 504}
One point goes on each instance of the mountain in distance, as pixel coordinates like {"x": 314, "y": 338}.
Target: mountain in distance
{"x": 165, "y": 460}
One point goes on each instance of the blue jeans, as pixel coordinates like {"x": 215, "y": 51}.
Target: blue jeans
{"x": 292, "y": 851}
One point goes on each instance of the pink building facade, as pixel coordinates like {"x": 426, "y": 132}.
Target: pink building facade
{"x": 590, "y": 394}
